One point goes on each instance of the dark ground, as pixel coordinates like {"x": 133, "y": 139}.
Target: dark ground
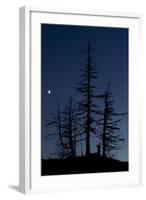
{"x": 79, "y": 165}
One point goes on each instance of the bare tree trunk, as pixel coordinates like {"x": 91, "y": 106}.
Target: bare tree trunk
{"x": 104, "y": 128}
{"x": 111, "y": 139}
{"x": 86, "y": 105}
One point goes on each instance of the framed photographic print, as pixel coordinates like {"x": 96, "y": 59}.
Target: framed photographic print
{"x": 79, "y": 100}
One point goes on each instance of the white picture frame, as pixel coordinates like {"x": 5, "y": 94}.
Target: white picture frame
{"x": 30, "y": 145}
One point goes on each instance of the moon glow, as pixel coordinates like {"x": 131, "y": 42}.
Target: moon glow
{"x": 49, "y": 91}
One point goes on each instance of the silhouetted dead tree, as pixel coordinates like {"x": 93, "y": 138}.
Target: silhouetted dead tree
{"x": 63, "y": 126}
{"x": 55, "y": 130}
{"x": 87, "y": 107}
{"x": 111, "y": 140}
{"x": 69, "y": 128}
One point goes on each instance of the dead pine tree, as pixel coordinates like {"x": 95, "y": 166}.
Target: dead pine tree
{"x": 69, "y": 128}
{"x": 54, "y": 125}
{"x": 111, "y": 140}
{"x": 86, "y": 105}
{"x": 63, "y": 126}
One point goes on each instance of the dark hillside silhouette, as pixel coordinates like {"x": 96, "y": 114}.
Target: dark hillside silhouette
{"x": 78, "y": 165}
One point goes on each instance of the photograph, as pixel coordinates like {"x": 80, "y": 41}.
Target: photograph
{"x": 84, "y": 99}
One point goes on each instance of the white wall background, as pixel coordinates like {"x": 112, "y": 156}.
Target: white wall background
{"x": 9, "y": 101}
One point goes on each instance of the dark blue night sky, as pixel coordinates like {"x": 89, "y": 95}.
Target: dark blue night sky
{"x": 61, "y": 58}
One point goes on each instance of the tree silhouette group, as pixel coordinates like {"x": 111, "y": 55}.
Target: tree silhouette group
{"x": 74, "y": 124}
